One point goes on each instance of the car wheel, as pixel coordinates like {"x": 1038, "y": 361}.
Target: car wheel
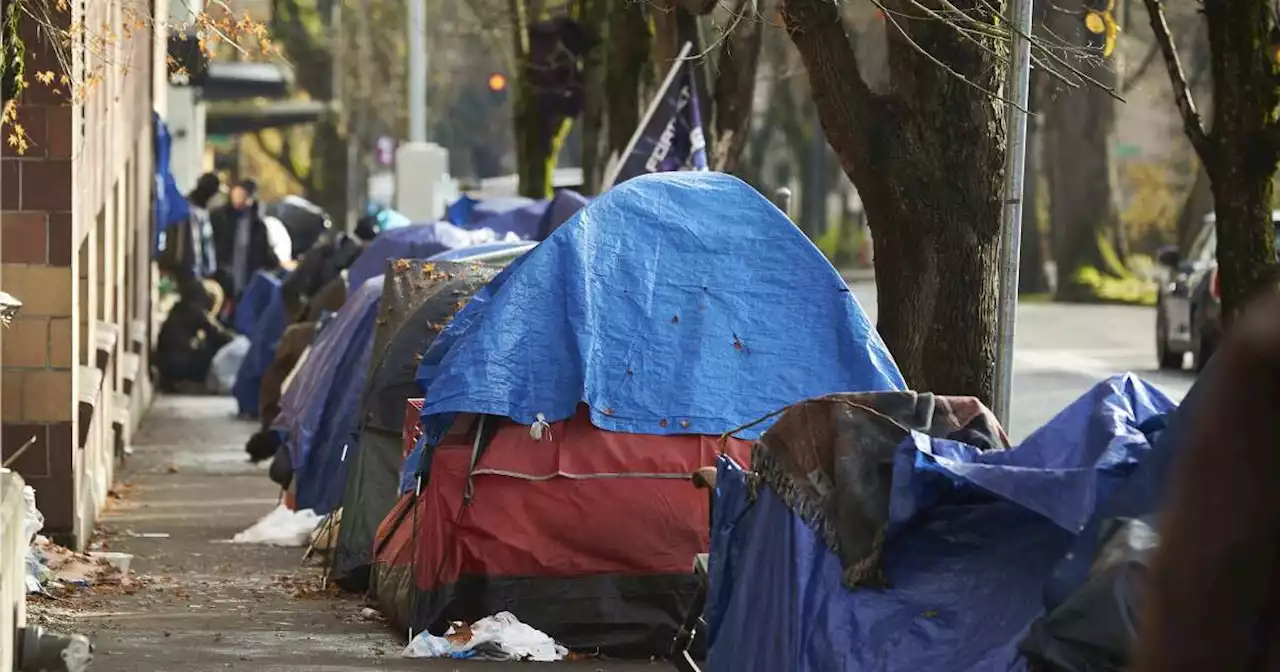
{"x": 1168, "y": 359}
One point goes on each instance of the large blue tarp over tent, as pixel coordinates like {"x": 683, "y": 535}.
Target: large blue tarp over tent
{"x": 264, "y": 338}
{"x": 674, "y": 303}
{"x": 318, "y": 410}
{"x": 416, "y": 241}
{"x": 967, "y": 578}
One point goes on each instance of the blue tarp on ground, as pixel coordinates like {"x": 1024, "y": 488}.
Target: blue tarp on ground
{"x": 263, "y": 341}
{"x": 967, "y": 579}
{"x": 676, "y": 303}
{"x": 318, "y": 410}
{"x": 416, "y": 241}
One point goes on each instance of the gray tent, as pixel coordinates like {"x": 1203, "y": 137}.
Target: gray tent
{"x": 418, "y": 300}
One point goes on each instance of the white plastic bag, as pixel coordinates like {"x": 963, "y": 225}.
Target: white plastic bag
{"x": 32, "y": 520}
{"x": 281, "y": 527}
{"x": 498, "y": 637}
{"x": 226, "y": 364}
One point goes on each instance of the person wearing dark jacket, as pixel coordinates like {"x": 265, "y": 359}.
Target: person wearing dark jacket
{"x": 240, "y": 239}
{"x": 1212, "y": 602}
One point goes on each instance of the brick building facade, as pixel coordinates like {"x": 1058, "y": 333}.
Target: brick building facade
{"x": 75, "y": 222}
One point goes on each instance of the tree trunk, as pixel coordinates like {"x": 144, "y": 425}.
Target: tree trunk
{"x": 735, "y": 87}
{"x": 1246, "y": 133}
{"x": 595, "y": 16}
{"x": 1240, "y": 151}
{"x": 627, "y": 67}
{"x": 1082, "y": 214}
{"x": 928, "y": 159}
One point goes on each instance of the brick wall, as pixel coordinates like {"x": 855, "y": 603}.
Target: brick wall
{"x": 73, "y": 209}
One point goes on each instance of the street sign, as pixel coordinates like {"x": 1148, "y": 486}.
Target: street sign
{"x": 385, "y": 151}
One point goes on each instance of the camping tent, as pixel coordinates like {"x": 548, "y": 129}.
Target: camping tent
{"x": 567, "y": 404}
{"x": 417, "y": 302}
{"x": 521, "y": 222}
{"x": 972, "y": 539}
{"x": 317, "y": 408}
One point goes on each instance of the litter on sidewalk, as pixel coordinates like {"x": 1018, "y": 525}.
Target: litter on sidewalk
{"x": 281, "y": 527}
{"x": 498, "y": 637}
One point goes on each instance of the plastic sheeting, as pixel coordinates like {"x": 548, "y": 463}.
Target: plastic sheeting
{"x": 263, "y": 341}
{"x": 317, "y": 412}
{"x": 417, "y": 241}
{"x": 975, "y": 537}
{"x": 676, "y": 303}
{"x": 171, "y": 205}
{"x": 565, "y": 205}
{"x": 522, "y": 222}
{"x": 253, "y": 301}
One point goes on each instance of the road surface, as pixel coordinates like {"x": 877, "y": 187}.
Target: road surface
{"x": 1062, "y": 350}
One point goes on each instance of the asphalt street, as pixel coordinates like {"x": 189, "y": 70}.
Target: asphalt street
{"x": 1062, "y": 350}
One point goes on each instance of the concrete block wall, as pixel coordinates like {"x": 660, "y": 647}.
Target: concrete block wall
{"x": 75, "y": 222}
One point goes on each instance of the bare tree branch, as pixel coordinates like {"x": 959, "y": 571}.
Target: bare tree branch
{"x": 1191, "y": 121}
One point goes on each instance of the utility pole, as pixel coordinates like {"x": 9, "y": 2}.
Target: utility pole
{"x": 1017, "y": 89}
{"x": 417, "y": 70}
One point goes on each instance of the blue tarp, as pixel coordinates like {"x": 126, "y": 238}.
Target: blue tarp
{"x": 263, "y": 341}
{"x": 674, "y": 304}
{"x": 416, "y": 241}
{"x": 253, "y": 300}
{"x": 967, "y": 579}
{"x": 459, "y": 212}
{"x": 492, "y": 207}
{"x": 565, "y": 205}
{"x": 522, "y": 222}
{"x": 170, "y": 205}
{"x": 318, "y": 410}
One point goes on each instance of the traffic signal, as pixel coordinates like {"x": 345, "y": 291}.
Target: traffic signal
{"x": 497, "y": 82}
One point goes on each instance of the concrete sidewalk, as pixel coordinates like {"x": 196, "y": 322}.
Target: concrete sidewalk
{"x": 205, "y": 605}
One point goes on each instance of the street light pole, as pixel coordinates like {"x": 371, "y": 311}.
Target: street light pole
{"x": 417, "y": 70}
{"x": 1017, "y": 91}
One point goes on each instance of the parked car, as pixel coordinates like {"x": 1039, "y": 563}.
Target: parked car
{"x": 1189, "y": 305}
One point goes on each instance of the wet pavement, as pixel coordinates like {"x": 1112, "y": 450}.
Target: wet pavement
{"x": 201, "y": 604}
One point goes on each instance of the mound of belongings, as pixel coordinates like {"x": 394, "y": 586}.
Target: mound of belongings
{"x": 570, "y": 400}
{"x": 868, "y": 539}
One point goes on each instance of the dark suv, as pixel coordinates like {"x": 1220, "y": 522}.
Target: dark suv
{"x": 1189, "y": 307}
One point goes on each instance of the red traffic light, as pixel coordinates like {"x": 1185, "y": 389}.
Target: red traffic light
{"x": 497, "y": 82}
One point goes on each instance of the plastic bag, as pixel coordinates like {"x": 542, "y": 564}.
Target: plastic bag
{"x": 225, "y": 365}
{"x": 281, "y": 527}
{"x": 32, "y": 520}
{"x": 1095, "y": 628}
{"x": 498, "y": 637}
